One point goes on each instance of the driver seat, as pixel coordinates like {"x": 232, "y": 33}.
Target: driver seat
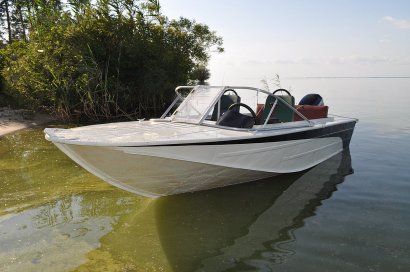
{"x": 225, "y": 102}
{"x": 233, "y": 118}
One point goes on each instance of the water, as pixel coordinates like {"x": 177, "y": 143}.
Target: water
{"x": 350, "y": 213}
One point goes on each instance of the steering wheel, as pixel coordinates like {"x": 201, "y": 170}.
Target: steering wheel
{"x": 245, "y": 106}
{"x": 230, "y": 90}
{"x": 282, "y": 90}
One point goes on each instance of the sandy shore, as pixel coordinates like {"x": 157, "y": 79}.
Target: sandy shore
{"x": 13, "y": 120}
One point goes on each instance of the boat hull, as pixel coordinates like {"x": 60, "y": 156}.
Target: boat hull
{"x": 175, "y": 167}
{"x": 155, "y": 176}
{"x": 165, "y": 170}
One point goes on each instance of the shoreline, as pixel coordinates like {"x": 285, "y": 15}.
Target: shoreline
{"x": 12, "y": 120}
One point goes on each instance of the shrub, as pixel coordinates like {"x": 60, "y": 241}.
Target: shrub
{"x": 112, "y": 58}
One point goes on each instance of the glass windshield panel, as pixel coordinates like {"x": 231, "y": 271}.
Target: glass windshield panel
{"x": 197, "y": 103}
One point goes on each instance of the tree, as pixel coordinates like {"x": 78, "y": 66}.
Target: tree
{"x": 6, "y": 18}
{"x": 104, "y": 59}
{"x": 200, "y": 74}
{"x": 13, "y": 17}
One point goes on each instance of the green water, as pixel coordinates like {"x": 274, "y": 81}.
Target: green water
{"x": 52, "y": 212}
{"x": 55, "y": 216}
{"x": 350, "y": 213}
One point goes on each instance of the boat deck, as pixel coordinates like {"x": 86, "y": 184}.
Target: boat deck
{"x": 158, "y": 132}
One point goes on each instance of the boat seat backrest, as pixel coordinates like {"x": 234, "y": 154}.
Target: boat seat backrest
{"x": 281, "y": 112}
{"x": 311, "y": 112}
{"x": 226, "y": 101}
{"x": 312, "y": 100}
{"x": 259, "y": 112}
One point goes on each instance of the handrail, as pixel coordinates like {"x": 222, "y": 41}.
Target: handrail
{"x": 270, "y": 94}
{"x": 170, "y": 107}
{"x": 179, "y": 97}
{"x": 182, "y": 87}
{"x": 270, "y": 112}
{"x": 295, "y": 110}
{"x": 217, "y": 98}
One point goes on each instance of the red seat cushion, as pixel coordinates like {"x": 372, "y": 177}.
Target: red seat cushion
{"x": 311, "y": 112}
{"x": 259, "y": 111}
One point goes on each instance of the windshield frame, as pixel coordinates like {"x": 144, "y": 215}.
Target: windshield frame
{"x": 212, "y": 103}
{"x": 202, "y": 112}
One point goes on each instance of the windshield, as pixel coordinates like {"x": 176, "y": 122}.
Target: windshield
{"x": 196, "y": 105}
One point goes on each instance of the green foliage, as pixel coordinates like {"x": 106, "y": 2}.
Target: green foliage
{"x": 200, "y": 74}
{"x": 104, "y": 59}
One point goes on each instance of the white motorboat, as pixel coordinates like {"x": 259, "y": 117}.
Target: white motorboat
{"x": 210, "y": 140}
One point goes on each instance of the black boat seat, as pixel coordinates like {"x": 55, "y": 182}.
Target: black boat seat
{"x": 225, "y": 102}
{"x": 312, "y": 100}
{"x": 233, "y": 118}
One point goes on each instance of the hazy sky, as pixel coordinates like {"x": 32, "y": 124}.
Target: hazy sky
{"x": 303, "y": 38}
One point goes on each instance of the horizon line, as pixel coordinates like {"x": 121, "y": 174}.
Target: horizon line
{"x": 299, "y": 77}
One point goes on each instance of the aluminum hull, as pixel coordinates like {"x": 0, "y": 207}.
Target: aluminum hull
{"x": 154, "y": 176}
{"x": 168, "y": 169}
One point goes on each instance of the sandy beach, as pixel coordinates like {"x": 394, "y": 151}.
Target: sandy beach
{"x": 13, "y": 120}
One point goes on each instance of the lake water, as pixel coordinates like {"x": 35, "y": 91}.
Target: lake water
{"x": 350, "y": 213}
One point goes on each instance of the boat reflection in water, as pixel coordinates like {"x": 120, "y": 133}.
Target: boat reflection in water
{"x": 243, "y": 227}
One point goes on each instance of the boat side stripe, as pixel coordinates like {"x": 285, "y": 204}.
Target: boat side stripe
{"x": 343, "y": 131}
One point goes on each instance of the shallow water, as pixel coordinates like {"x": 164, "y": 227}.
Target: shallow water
{"x": 350, "y": 213}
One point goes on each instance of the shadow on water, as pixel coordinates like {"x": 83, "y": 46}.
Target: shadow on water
{"x": 243, "y": 227}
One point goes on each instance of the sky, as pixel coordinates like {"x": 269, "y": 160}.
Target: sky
{"x": 315, "y": 38}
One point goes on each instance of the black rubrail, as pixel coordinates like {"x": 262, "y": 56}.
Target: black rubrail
{"x": 344, "y": 131}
